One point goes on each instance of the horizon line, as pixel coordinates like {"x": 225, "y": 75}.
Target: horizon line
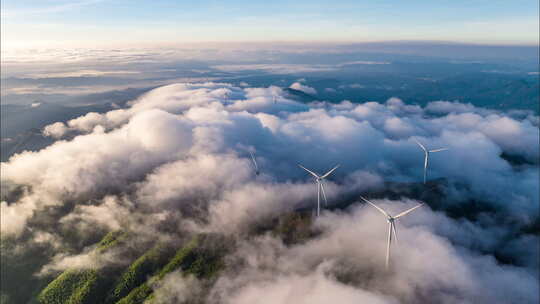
{"x": 321, "y": 43}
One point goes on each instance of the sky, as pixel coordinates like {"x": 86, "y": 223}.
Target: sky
{"x": 90, "y": 23}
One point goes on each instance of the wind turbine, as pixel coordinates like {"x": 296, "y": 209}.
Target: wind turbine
{"x": 255, "y": 166}
{"x": 426, "y": 156}
{"x": 319, "y": 180}
{"x": 391, "y": 225}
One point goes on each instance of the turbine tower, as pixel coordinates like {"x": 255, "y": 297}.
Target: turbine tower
{"x": 320, "y": 188}
{"x": 391, "y": 225}
{"x": 426, "y": 156}
{"x": 254, "y": 161}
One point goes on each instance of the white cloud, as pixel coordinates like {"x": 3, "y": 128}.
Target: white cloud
{"x": 177, "y": 157}
{"x": 311, "y": 288}
{"x": 346, "y": 263}
{"x": 56, "y": 130}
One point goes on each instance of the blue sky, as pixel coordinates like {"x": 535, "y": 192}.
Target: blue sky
{"x": 116, "y": 22}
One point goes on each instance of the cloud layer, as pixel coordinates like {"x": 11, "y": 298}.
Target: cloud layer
{"x": 179, "y": 156}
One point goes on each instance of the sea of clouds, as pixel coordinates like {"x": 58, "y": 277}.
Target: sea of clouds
{"x": 180, "y": 156}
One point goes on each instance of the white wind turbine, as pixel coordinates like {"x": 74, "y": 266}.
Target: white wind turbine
{"x": 254, "y": 161}
{"x": 426, "y": 156}
{"x": 391, "y": 225}
{"x": 319, "y": 180}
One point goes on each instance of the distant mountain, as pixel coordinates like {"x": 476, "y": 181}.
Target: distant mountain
{"x": 502, "y": 91}
{"x": 31, "y": 140}
{"x": 298, "y": 95}
{"x": 21, "y": 125}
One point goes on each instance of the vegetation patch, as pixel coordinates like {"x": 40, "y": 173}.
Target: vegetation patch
{"x": 294, "y": 228}
{"x": 76, "y": 286}
{"x": 138, "y": 272}
{"x": 202, "y": 257}
{"x": 73, "y": 287}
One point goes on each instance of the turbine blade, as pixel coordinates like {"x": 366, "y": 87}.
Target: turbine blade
{"x": 318, "y": 197}
{"x": 438, "y": 150}
{"x": 407, "y": 211}
{"x": 388, "y": 245}
{"x": 421, "y": 146}
{"x": 310, "y": 172}
{"x": 426, "y": 160}
{"x": 323, "y": 193}
{"x": 254, "y": 161}
{"x": 394, "y": 230}
{"x": 378, "y": 208}
{"x": 330, "y": 172}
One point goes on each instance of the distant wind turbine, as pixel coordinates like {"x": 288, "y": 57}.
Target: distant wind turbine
{"x": 391, "y": 225}
{"x": 320, "y": 187}
{"x": 254, "y": 161}
{"x": 426, "y": 156}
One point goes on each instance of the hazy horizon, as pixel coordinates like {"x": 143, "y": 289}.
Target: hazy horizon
{"x": 87, "y": 23}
